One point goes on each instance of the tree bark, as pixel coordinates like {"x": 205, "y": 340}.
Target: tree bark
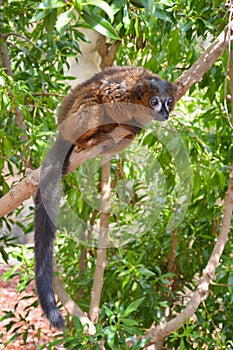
{"x": 102, "y": 242}
{"x": 28, "y": 186}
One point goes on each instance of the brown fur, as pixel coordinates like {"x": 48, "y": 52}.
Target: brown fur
{"x": 93, "y": 109}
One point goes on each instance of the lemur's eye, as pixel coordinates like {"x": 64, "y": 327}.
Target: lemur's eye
{"x": 154, "y": 102}
{"x": 170, "y": 102}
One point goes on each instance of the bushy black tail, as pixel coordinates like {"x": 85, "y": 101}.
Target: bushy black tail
{"x": 46, "y": 209}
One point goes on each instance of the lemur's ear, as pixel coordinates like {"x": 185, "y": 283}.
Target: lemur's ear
{"x": 141, "y": 88}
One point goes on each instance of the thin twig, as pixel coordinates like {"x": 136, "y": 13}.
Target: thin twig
{"x": 5, "y": 36}
{"x": 47, "y": 94}
{"x": 231, "y": 86}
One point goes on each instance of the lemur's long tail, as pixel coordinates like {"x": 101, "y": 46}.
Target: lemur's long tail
{"x": 46, "y": 209}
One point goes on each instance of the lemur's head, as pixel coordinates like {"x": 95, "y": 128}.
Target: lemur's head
{"x": 158, "y": 95}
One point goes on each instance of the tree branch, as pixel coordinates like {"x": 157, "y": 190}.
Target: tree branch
{"x": 7, "y": 65}
{"x": 107, "y": 51}
{"x": 159, "y": 332}
{"x": 172, "y": 255}
{"x": 204, "y": 62}
{"x": 27, "y": 186}
{"x": 102, "y": 243}
{"x": 23, "y": 37}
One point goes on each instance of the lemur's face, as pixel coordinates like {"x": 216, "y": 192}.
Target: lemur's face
{"x": 158, "y": 95}
{"x": 162, "y": 105}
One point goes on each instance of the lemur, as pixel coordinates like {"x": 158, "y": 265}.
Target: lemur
{"x": 116, "y": 97}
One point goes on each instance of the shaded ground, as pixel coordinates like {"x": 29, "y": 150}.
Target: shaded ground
{"x": 8, "y": 299}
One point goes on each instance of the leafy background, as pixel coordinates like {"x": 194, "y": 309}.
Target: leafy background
{"x": 140, "y": 287}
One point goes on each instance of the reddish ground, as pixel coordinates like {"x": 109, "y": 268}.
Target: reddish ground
{"x": 8, "y": 299}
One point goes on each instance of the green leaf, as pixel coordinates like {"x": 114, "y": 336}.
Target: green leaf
{"x": 50, "y": 20}
{"x": 143, "y": 3}
{"x": 51, "y": 4}
{"x": 11, "y": 339}
{"x": 162, "y": 15}
{"x": 77, "y": 323}
{"x": 64, "y": 19}
{"x": 25, "y": 335}
{"x": 133, "y": 306}
{"x": 111, "y": 336}
{"x": 78, "y": 5}
{"x": 117, "y": 5}
{"x": 38, "y": 16}
{"x": 129, "y": 322}
{"x": 102, "y": 5}
{"x": 146, "y": 272}
{"x": 9, "y": 274}
{"x": 4, "y": 254}
{"x": 100, "y": 25}
{"x": 108, "y": 312}
{"x": 7, "y": 147}
{"x": 9, "y": 314}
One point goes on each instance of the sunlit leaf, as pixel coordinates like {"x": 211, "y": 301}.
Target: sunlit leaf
{"x": 103, "y": 5}
{"x": 64, "y": 19}
{"x": 101, "y": 25}
{"x": 51, "y": 4}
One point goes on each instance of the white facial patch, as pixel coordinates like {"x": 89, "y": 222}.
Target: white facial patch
{"x": 168, "y": 104}
{"x": 155, "y": 103}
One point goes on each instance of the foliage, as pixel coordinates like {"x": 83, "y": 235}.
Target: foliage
{"x": 140, "y": 285}
{"x": 112, "y": 330}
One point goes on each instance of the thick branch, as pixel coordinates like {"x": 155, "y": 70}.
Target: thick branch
{"x": 204, "y": 62}
{"x": 5, "y": 58}
{"x": 102, "y": 243}
{"x": 27, "y": 187}
{"x": 172, "y": 256}
{"x": 107, "y": 51}
{"x": 19, "y": 193}
{"x": 159, "y": 332}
